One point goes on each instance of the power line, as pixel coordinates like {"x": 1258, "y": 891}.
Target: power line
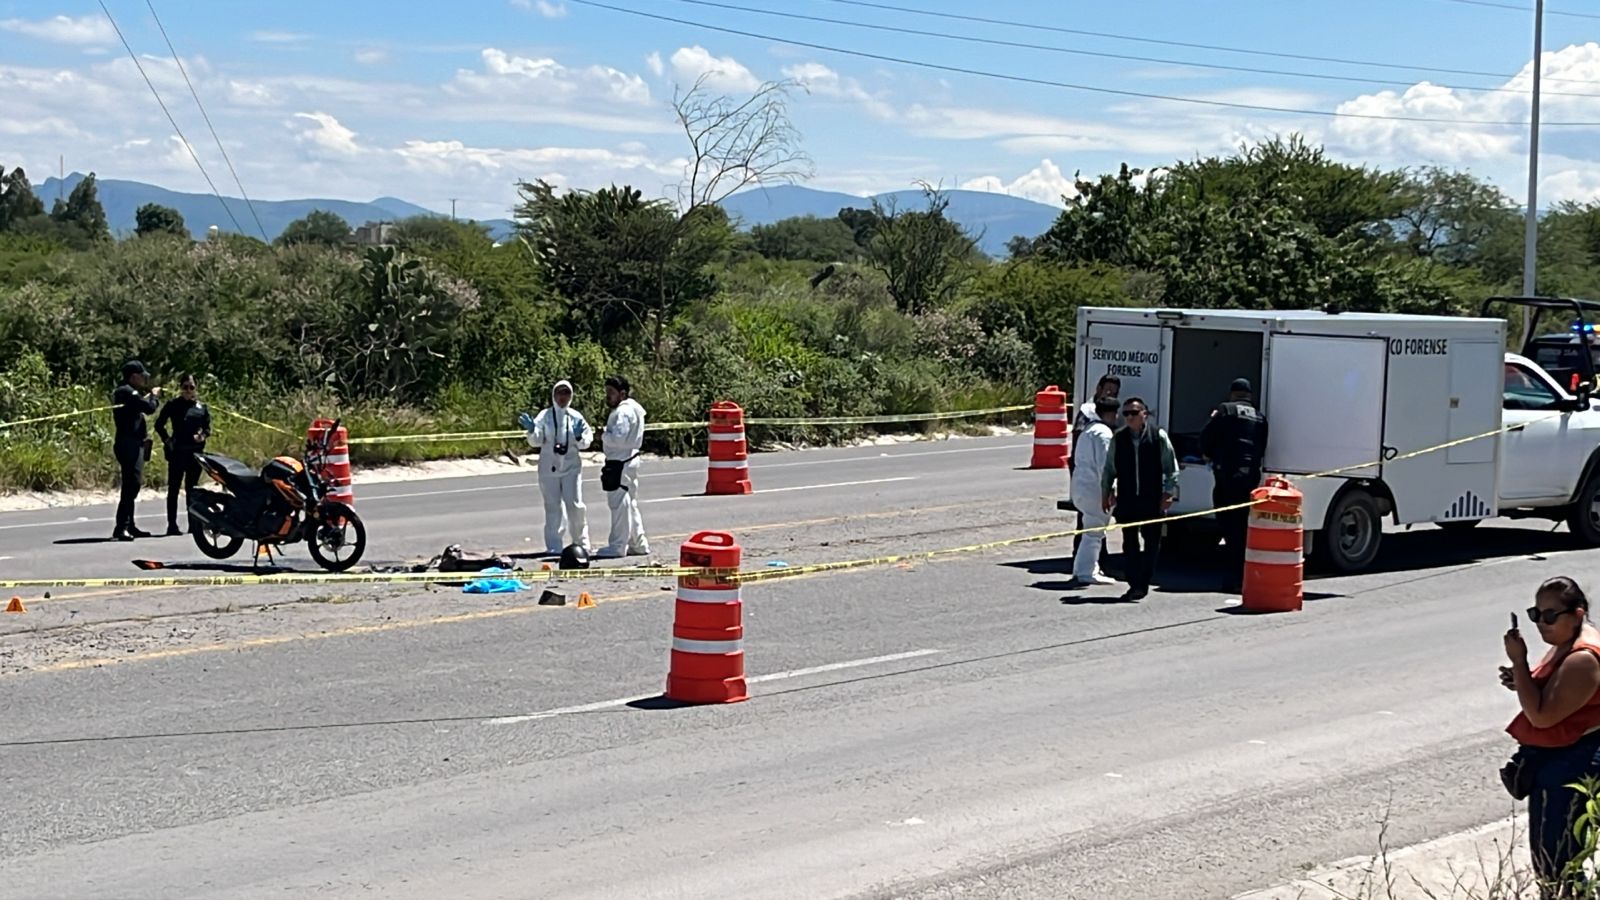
{"x": 186, "y": 145}
{"x": 1045, "y": 82}
{"x": 195, "y": 94}
{"x": 1022, "y": 45}
{"x": 1218, "y": 48}
{"x": 1524, "y": 9}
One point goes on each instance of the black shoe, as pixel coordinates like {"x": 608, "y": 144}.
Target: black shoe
{"x": 1134, "y": 595}
{"x": 173, "y": 531}
{"x": 120, "y": 535}
{"x": 139, "y": 532}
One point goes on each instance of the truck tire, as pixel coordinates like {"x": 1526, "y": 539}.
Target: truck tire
{"x": 1584, "y": 519}
{"x": 1350, "y": 540}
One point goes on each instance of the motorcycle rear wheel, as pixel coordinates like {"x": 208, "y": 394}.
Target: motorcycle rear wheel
{"x": 216, "y": 544}
{"x": 337, "y": 547}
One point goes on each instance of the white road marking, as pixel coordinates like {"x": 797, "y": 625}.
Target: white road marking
{"x": 785, "y": 490}
{"x": 1261, "y": 743}
{"x": 775, "y": 676}
{"x": 1385, "y": 712}
{"x": 907, "y": 823}
{"x": 4, "y": 558}
{"x": 1113, "y": 775}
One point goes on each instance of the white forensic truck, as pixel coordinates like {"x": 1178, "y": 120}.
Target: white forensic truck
{"x": 1359, "y": 394}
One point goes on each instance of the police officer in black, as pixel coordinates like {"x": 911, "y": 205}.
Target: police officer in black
{"x": 190, "y": 424}
{"x": 131, "y": 446}
{"x": 1235, "y": 443}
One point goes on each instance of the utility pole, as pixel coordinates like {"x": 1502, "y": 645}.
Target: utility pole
{"x": 1530, "y": 241}
{"x": 452, "y": 209}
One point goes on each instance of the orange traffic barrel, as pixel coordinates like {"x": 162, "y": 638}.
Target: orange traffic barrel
{"x": 728, "y": 470}
{"x": 334, "y": 467}
{"x": 1274, "y": 548}
{"x": 1051, "y": 444}
{"x": 707, "y": 664}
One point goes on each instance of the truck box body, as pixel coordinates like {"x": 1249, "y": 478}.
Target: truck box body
{"x": 1346, "y": 395}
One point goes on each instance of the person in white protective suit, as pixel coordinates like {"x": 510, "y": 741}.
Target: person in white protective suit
{"x": 623, "y": 439}
{"x": 559, "y": 433}
{"x": 1090, "y": 454}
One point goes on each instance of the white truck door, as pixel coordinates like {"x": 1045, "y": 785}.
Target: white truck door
{"x": 1134, "y": 353}
{"x": 1324, "y": 404}
{"x": 1533, "y": 465}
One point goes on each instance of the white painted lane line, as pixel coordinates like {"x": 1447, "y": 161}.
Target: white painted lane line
{"x": 786, "y": 490}
{"x": 775, "y": 676}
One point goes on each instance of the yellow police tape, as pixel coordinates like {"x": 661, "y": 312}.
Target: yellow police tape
{"x": 66, "y": 415}
{"x": 726, "y": 575}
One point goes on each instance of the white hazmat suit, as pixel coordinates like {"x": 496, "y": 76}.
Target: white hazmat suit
{"x": 624, "y": 438}
{"x": 1090, "y": 456}
{"x": 555, "y": 429}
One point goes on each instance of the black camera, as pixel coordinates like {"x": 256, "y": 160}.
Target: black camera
{"x": 561, "y": 449}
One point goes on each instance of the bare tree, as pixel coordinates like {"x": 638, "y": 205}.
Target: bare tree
{"x": 925, "y": 255}
{"x": 736, "y": 143}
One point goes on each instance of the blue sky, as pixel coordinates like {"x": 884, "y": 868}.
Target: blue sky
{"x": 356, "y": 99}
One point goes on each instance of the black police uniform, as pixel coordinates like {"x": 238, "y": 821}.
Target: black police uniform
{"x": 1235, "y": 441}
{"x": 129, "y": 409}
{"x": 186, "y": 418}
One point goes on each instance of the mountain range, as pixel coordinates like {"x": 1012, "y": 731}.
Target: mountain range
{"x": 993, "y": 218}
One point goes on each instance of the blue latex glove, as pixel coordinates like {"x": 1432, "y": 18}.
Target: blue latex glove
{"x": 525, "y": 420}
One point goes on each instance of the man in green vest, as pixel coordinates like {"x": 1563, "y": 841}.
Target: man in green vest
{"x": 1140, "y": 482}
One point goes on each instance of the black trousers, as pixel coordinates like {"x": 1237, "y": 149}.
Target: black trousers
{"x": 130, "y": 461}
{"x": 183, "y": 471}
{"x": 1235, "y": 523}
{"x": 1141, "y": 545}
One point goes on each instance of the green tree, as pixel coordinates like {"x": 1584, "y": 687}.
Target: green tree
{"x": 153, "y": 218}
{"x": 317, "y": 227}
{"x": 863, "y": 223}
{"x": 806, "y": 238}
{"x": 925, "y": 256}
{"x": 17, "y": 200}
{"x": 622, "y": 263}
{"x": 82, "y": 212}
{"x": 420, "y": 233}
{"x": 1454, "y": 218}
{"x": 1111, "y": 220}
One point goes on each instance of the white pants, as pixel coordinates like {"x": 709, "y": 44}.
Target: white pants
{"x": 1086, "y": 563}
{"x": 627, "y": 527}
{"x": 564, "y": 490}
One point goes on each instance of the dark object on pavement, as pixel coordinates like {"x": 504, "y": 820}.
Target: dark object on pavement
{"x": 574, "y": 557}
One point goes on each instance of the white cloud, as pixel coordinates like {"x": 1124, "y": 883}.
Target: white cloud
{"x": 64, "y": 29}
{"x": 818, "y": 79}
{"x": 372, "y": 56}
{"x": 279, "y": 37}
{"x": 1045, "y": 183}
{"x": 724, "y": 73}
{"x": 657, "y": 67}
{"x": 505, "y": 72}
{"x": 327, "y": 134}
{"x": 550, "y": 10}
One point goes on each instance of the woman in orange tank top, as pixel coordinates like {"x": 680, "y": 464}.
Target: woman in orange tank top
{"x": 1559, "y": 725}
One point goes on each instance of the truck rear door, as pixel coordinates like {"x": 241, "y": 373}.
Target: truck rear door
{"x": 1134, "y": 353}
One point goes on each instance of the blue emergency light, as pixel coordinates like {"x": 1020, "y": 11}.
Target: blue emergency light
{"x": 1582, "y": 327}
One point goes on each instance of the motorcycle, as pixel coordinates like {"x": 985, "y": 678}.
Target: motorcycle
{"x": 283, "y": 504}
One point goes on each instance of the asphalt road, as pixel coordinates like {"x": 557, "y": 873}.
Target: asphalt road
{"x": 959, "y": 728}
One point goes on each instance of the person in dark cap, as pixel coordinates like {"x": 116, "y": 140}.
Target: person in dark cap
{"x": 1235, "y": 443}
{"x": 183, "y": 426}
{"x": 131, "y": 446}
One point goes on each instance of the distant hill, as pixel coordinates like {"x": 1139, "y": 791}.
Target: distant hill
{"x": 996, "y": 217}
{"x": 200, "y": 211}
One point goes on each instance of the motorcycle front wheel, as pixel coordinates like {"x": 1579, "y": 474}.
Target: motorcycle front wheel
{"x": 338, "y": 541}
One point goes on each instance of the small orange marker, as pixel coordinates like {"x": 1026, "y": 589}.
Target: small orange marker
{"x": 15, "y": 606}
{"x": 585, "y": 601}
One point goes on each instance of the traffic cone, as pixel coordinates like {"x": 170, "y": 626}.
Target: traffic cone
{"x": 585, "y": 601}
{"x": 15, "y": 606}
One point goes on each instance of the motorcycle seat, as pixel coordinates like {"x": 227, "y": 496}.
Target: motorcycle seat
{"x": 241, "y": 478}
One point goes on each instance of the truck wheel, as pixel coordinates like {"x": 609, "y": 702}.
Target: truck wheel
{"x": 1584, "y": 519}
{"x": 1353, "y": 534}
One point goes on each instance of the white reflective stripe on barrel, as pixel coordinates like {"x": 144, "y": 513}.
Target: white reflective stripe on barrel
{"x": 1054, "y": 442}
{"x": 1257, "y": 521}
{"x": 737, "y": 436}
{"x": 686, "y": 646}
{"x": 701, "y": 595}
{"x": 729, "y": 464}
{"x": 1273, "y": 557}
{"x": 1050, "y": 417}
{"x": 342, "y": 459}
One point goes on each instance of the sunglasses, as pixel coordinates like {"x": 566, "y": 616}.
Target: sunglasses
{"x": 1547, "y": 616}
{"x": 1132, "y": 413}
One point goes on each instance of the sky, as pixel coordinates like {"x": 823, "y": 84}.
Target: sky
{"x": 356, "y": 99}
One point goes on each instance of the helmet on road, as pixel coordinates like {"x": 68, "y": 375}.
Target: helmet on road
{"x": 574, "y": 557}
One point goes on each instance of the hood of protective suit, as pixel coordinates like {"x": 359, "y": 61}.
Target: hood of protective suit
{"x": 563, "y": 383}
